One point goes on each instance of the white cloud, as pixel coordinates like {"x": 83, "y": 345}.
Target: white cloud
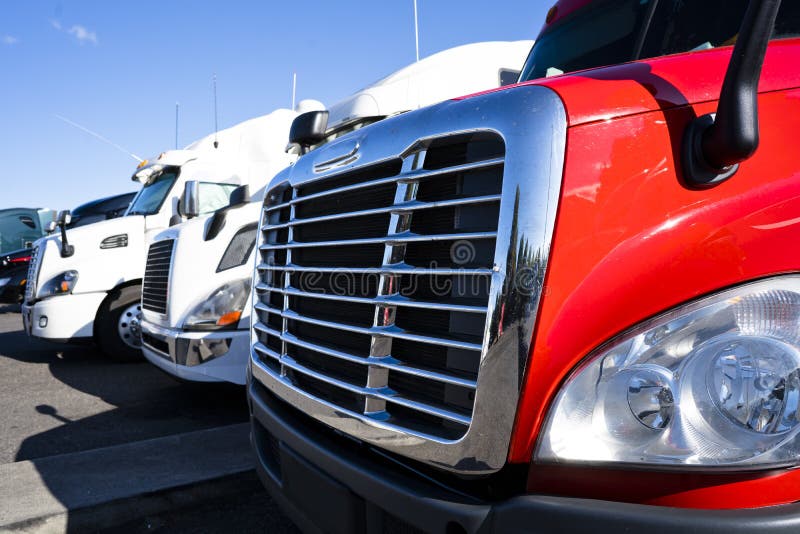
{"x": 55, "y": 24}
{"x": 9, "y": 40}
{"x": 82, "y": 34}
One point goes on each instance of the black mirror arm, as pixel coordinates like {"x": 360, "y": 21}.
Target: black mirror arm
{"x": 67, "y": 250}
{"x": 715, "y": 144}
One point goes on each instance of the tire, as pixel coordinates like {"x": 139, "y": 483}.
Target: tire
{"x": 117, "y": 329}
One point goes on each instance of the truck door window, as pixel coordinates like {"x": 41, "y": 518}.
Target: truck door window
{"x": 603, "y": 33}
{"x": 607, "y": 32}
{"x": 152, "y": 196}
{"x": 214, "y": 196}
{"x": 684, "y": 26}
{"x": 15, "y": 231}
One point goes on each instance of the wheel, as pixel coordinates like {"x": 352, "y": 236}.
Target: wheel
{"x": 118, "y": 324}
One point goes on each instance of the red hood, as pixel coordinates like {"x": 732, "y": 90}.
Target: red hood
{"x": 663, "y": 83}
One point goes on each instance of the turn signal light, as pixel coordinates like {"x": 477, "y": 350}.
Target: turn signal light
{"x": 229, "y": 318}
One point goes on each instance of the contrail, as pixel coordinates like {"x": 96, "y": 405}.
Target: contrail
{"x": 100, "y": 137}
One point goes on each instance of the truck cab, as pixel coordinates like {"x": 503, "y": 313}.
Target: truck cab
{"x": 568, "y": 305}
{"x": 84, "y": 284}
{"x": 20, "y": 227}
{"x": 200, "y": 332}
{"x": 197, "y": 278}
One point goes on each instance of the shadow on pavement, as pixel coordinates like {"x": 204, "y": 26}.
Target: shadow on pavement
{"x": 97, "y": 403}
{"x": 90, "y": 402}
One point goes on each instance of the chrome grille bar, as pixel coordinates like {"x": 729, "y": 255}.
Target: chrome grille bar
{"x": 396, "y": 208}
{"x": 405, "y": 237}
{"x": 387, "y": 362}
{"x": 412, "y": 176}
{"x": 389, "y": 300}
{"x": 392, "y": 269}
{"x": 381, "y": 394}
{"x": 382, "y": 331}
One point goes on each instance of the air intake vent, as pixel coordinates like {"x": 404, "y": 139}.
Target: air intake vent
{"x": 114, "y": 241}
{"x": 155, "y": 287}
{"x": 374, "y": 284}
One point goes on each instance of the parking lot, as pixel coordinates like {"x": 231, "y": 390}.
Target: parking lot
{"x": 69, "y": 406}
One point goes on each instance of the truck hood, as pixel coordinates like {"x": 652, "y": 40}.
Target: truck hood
{"x": 195, "y": 272}
{"x": 106, "y": 254}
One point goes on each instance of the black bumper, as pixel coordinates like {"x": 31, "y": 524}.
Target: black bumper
{"x": 326, "y": 486}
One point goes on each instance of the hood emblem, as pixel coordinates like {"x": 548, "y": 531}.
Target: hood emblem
{"x": 348, "y": 153}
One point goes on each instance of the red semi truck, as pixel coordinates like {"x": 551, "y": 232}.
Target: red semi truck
{"x": 572, "y": 304}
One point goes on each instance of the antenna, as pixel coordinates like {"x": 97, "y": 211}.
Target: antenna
{"x": 100, "y": 137}
{"x": 294, "y": 88}
{"x": 216, "y": 125}
{"x": 416, "y": 28}
{"x": 177, "y": 108}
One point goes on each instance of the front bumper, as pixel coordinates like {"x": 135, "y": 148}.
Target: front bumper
{"x": 216, "y": 356}
{"x": 327, "y": 483}
{"x": 63, "y": 318}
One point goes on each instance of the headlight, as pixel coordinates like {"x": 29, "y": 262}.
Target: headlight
{"x": 223, "y": 308}
{"x": 715, "y": 383}
{"x": 59, "y": 285}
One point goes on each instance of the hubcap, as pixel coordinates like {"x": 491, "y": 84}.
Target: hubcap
{"x": 129, "y": 326}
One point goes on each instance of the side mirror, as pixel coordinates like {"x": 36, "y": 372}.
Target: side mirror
{"x": 308, "y": 129}
{"x": 190, "y": 202}
{"x": 508, "y": 77}
{"x": 50, "y": 227}
{"x": 64, "y": 218}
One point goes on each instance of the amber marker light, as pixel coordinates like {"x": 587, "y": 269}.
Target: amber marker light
{"x": 229, "y": 318}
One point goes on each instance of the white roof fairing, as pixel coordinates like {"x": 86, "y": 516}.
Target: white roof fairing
{"x": 448, "y": 74}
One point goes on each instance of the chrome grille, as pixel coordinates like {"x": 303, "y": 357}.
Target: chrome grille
{"x": 401, "y": 344}
{"x": 155, "y": 286}
{"x": 31, "y": 285}
{"x": 395, "y": 295}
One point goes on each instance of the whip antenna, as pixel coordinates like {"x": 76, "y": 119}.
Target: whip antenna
{"x": 294, "y": 88}
{"x": 416, "y": 29}
{"x": 100, "y": 137}
{"x": 177, "y": 108}
{"x": 216, "y": 125}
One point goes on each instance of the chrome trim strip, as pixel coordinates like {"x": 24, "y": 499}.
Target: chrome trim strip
{"x": 395, "y": 269}
{"x": 382, "y": 331}
{"x": 394, "y": 300}
{"x": 532, "y": 121}
{"x": 395, "y": 208}
{"x": 407, "y": 177}
{"x": 387, "y": 362}
{"x": 384, "y": 394}
{"x": 406, "y": 237}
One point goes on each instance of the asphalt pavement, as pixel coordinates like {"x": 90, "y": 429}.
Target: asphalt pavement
{"x": 70, "y": 402}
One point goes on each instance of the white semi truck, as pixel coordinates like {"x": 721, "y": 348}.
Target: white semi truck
{"x": 198, "y": 328}
{"x": 85, "y": 284}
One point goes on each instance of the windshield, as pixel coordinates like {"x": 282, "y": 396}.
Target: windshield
{"x": 346, "y": 129}
{"x": 607, "y": 32}
{"x": 152, "y": 196}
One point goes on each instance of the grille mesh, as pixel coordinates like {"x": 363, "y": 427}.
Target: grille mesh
{"x": 373, "y": 284}
{"x": 156, "y": 276}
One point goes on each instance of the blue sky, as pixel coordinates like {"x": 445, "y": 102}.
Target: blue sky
{"x": 118, "y": 68}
